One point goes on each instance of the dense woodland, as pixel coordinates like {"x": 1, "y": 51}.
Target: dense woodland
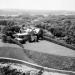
{"x": 61, "y": 27}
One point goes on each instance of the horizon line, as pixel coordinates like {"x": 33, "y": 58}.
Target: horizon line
{"x": 12, "y": 9}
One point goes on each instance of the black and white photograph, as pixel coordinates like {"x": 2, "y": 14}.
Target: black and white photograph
{"x": 37, "y": 37}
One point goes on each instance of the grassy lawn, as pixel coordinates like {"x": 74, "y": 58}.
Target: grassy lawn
{"x": 44, "y": 59}
{"x": 13, "y": 52}
{"x": 50, "y": 48}
{"x": 52, "y": 61}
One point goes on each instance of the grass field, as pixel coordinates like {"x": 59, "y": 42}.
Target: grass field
{"x": 51, "y": 55}
{"x": 13, "y": 52}
{"x": 52, "y": 61}
{"x": 50, "y": 48}
{"x": 43, "y": 53}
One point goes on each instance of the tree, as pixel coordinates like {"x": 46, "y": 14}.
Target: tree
{"x": 9, "y": 30}
{"x": 58, "y": 32}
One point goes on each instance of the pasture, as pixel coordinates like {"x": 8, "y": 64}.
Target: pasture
{"x": 50, "y": 48}
{"x": 44, "y": 53}
{"x": 13, "y": 51}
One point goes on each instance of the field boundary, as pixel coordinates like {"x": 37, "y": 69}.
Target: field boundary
{"x": 48, "y": 38}
{"x": 38, "y": 66}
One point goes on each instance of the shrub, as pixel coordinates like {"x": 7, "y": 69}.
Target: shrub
{"x": 4, "y": 38}
{"x": 58, "y": 32}
{"x": 8, "y": 71}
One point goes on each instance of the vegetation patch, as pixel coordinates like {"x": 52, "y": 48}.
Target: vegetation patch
{"x": 52, "y": 61}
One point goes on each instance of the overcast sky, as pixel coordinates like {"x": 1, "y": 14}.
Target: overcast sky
{"x": 38, "y": 4}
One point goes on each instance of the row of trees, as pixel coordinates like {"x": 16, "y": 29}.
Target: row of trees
{"x": 7, "y": 22}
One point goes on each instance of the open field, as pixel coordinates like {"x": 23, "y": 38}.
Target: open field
{"x": 13, "y": 52}
{"x": 43, "y": 53}
{"x": 50, "y": 48}
{"x": 44, "y": 47}
{"x": 51, "y": 55}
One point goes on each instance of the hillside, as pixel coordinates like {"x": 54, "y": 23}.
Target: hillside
{"x": 13, "y": 52}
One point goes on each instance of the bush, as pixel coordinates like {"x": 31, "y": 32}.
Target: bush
{"x": 10, "y": 30}
{"x": 16, "y": 42}
{"x": 8, "y": 71}
{"x": 58, "y": 32}
{"x": 4, "y": 38}
{"x": 8, "y": 39}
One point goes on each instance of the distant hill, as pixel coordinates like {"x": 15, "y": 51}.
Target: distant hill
{"x": 14, "y": 12}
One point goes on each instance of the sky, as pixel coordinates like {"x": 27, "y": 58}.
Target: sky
{"x": 38, "y": 4}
